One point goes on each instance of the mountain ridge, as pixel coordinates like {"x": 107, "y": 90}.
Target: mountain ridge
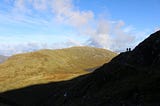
{"x": 121, "y": 82}
{"x": 130, "y": 79}
{"x": 50, "y": 65}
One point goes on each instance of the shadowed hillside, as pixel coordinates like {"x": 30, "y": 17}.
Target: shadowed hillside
{"x": 130, "y": 79}
{"x": 50, "y": 65}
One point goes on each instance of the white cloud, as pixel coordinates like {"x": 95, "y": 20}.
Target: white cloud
{"x": 10, "y": 49}
{"x": 20, "y": 7}
{"x": 65, "y": 12}
{"x": 72, "y": 42}
{"x": 39, "y": 4}
{"x": 157, "y": 29}
{"x": 100, "y": 37}
{"x": 16, "y": 48}
{"x": 111, "y": 35}
{"x": 104, "y": 33}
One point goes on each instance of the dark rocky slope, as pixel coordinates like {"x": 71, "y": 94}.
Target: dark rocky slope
{"x": 130, "y": 79}
{"x": 147, "y": 53}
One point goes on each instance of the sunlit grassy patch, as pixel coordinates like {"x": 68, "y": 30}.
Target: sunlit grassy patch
{"x": 50, "y": 65}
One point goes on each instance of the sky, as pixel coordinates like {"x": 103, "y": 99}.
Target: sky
{"x": 29, "y": 25}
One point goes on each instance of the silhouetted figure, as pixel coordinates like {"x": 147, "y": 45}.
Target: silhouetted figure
{"x": 127, "y": 49}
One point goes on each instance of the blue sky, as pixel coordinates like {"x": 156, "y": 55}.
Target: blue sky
{"x": 28, "y": 25}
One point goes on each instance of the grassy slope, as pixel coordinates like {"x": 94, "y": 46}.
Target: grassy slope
{"x": 50, "y": 65}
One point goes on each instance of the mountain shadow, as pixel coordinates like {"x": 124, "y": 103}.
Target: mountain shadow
{"x": 130, "y": 79}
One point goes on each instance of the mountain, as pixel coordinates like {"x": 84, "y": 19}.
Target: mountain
{"x": 130, "y": 79}
{"x": 50, "y": 65}
{"x": 3, "y": 58}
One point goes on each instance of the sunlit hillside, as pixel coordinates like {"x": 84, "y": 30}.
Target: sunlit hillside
{"x": 50, "y": 65}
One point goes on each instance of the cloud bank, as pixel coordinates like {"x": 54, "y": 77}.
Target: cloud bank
{"x": 100, "y": 32}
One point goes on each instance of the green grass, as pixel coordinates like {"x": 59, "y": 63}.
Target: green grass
{"x": 50, "y": 65}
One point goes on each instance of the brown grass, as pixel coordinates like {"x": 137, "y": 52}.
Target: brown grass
{"x": 50, "y": 65}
